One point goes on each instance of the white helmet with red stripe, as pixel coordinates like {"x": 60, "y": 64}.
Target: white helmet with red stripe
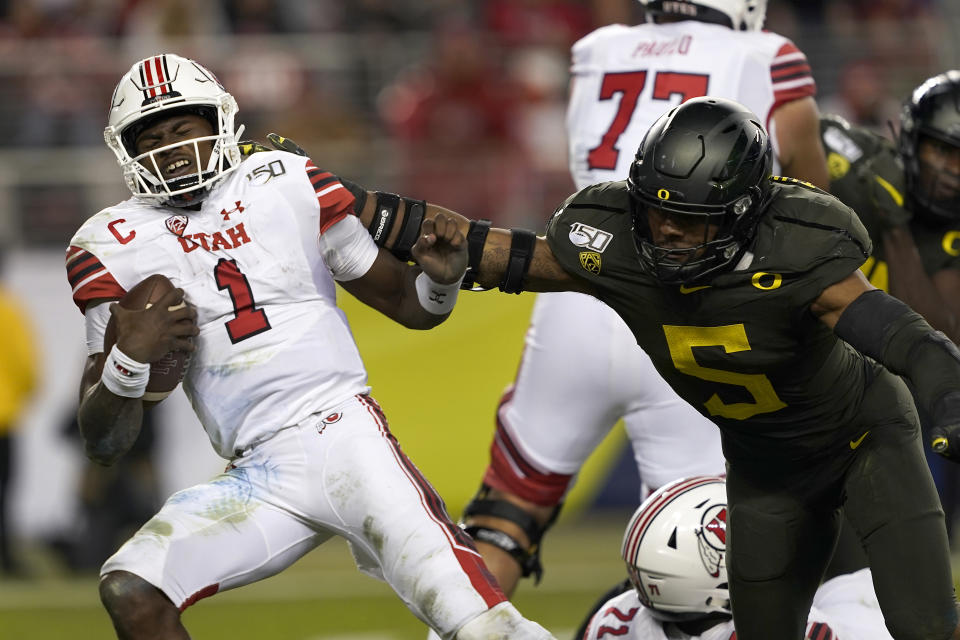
{"x": 156, "y": 88}
{"x": 674, "y": 547}
{"x": 742, "y": 15}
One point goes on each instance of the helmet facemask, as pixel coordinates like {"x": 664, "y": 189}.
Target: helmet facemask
{"x": 705, "y": 162}
{"x": 191, "y": 89}
{"x": 726, "y": 228}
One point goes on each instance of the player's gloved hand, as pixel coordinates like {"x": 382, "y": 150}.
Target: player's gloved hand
{"x": 249, "y": 147}
{"x": 882, "y": 178}
{"x": 945, "y": 434}
{"x": 285, "y": 144}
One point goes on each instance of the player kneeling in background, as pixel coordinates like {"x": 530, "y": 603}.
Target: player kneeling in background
{"x": 675, "y": 548}
{"x": 256, "y": 246}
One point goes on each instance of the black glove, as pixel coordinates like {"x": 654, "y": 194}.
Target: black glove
{"x": 285, "y": 144}
{"x": 945, "y": 434}
{"x": 249, "y": 147}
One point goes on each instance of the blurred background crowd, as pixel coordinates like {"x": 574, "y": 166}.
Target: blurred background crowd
{"x": 460, "y": 102}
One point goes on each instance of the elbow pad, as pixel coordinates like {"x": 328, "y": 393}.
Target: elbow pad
{"x": 884, "y": 328}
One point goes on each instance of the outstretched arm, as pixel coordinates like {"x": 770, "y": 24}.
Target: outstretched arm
{"x": 800, "y": 151}
{"x": 396, "y": 224}
{"x": 887, "y": 330}
{"x": 492, "y": 257}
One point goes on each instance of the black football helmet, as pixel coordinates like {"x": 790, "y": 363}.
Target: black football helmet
{"x": 933, "y": 110}
{"x": 707, "y": 160}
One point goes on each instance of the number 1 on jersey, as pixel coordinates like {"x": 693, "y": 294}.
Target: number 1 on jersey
{"x": 630, "y": 84}
{"x": 247, "y": 320}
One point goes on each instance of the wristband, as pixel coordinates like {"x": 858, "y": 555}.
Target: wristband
{"x": 123, "y": 375}
{"x": 436, "y": 298}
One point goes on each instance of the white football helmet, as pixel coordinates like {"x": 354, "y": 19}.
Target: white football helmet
{"x": 158, "y": 87}
{"x": 674, "y": 547}
{"x": 742, "y": 15}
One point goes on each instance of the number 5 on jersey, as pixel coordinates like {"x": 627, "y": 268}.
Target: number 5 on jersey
{"x": 733, "y": 338}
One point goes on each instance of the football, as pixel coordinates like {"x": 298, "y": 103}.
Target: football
{"x": 167, "y": 372}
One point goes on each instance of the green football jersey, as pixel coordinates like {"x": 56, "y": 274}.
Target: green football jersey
{"x": 742, "y": 348}
{"x": 850, "y": 149}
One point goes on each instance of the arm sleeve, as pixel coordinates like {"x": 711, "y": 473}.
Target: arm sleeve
{"x": 347, "y": 249}
{"x": 887, "y": 330}
{"x": 96, "y": 319}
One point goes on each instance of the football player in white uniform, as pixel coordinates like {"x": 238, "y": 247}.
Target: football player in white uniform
{"x": 255, "y": 246}
{"x": 556, "y": 413}
{"x": 675, "y": 546}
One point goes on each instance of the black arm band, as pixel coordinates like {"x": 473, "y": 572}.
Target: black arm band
{"x": 507, "y": 511}
{"x": 887, "y": 330}
{"x": 384, "y": 217}
{"x": 476, "y": 238}
{"x": 359, "y": 193}
{"x": 521, "y": 254}
{"x": 529, "y": 562}
{"x": 412, "y": 219}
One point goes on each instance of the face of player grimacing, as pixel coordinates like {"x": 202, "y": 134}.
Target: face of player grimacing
{"x": 673, "y": 231}
{"x": 181, "y": 160}
{"x": 939, "y": 169}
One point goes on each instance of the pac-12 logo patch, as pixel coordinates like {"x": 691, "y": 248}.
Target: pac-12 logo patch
{"x": 583, "y": 235}
{"x": 177, "y": 224}
{"x": 590, "y": 261}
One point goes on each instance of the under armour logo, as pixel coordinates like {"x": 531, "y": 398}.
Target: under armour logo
{"x": 226, "y": 214}
{"x": 437, "y": 297}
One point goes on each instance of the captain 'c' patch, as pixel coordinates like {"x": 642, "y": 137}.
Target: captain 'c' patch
{"x": 590, "y": 261}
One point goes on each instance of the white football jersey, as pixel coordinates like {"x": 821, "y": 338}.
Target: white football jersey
{"x": 273, "y": 347}
{"x": 844, "y": 608}
{"x": 625, "y": 77}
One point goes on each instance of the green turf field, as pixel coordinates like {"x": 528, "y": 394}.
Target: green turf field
{"x": 323, "y": 597}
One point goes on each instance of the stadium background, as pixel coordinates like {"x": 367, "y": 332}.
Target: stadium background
{"x": 459, "y": 102}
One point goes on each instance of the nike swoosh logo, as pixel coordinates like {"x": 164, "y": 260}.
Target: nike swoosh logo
{"x": 684, "y": 289}
{"x": 856, "y": 443}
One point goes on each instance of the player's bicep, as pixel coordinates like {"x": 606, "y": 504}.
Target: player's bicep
{"x": 833, "y": 300}
{"x": 800, "y": 150}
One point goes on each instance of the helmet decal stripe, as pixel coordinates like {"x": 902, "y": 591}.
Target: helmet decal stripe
{"x": 149, "y": 85}
{"x": 161, "y": 80}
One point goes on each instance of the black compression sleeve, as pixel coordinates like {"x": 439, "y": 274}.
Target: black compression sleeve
{"x": 887, "y": 330}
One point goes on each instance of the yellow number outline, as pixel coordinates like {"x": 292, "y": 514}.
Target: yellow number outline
{"x": 681, "y": 340}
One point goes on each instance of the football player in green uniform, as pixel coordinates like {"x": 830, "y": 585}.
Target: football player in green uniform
{"x": 908, "y": 197}
{"x": 746, "y": 292}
